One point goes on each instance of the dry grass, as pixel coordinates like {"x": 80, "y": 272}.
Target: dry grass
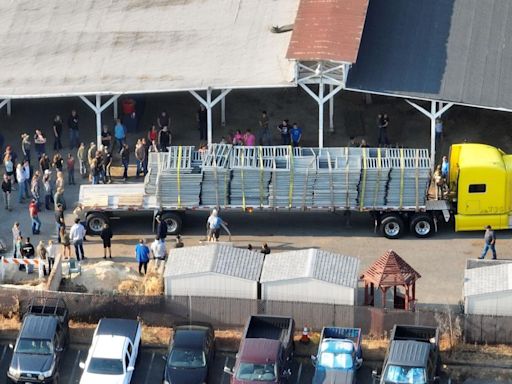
{"x": 156, "y": 335}
{"x": 227, "y": 340}
{"x": 9, "y": 323}
{"x": 152, "y": 285}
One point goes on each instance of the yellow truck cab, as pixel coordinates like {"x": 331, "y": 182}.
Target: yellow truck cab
{"x": 480, "y": 184}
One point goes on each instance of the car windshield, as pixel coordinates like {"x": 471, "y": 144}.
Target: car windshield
{"x": 336, "y": 355}
{"x": 35, "y": 346}
{"x": 187, "y": 358}
{"x": 106, "y": 366}
{"x": 405, "y": 375}
{"x": 256, "y": 372}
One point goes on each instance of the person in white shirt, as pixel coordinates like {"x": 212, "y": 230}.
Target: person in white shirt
{"x": 20, "y": 176}
{"x": 16, "y": 232}
{"x": 159, "y": 251}
{"x": 76, "y": 235}
{"x": 51, "y": 254}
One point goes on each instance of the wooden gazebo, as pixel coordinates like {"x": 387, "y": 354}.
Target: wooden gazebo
{"x": 390, "y": 271}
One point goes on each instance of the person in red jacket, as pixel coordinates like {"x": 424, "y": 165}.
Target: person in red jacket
{"x": 34, "y": 216}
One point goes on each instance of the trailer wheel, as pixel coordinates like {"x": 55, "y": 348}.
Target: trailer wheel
{"x": 174, "y": 222}
{"x": 422, "y": 226}
{"x": 95, "y": 222}
{"x": 392, "y": 226}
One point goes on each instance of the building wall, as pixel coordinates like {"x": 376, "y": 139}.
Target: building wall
{"x": 308, "y": 290}
{"x": 494, "y": 304}
{"x": 210, "y": 284}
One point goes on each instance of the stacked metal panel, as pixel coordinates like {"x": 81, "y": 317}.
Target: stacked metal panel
{"x": 373, "y": 184}
{"x": 216, "y": 175}
{"x": 157, "y": 161}
{"x": 293, "y": 178}
{"x": 251, "y": 169}
{"x": 338, "y": 174}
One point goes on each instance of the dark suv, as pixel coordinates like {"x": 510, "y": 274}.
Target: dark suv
{"x": 43, "y": 336}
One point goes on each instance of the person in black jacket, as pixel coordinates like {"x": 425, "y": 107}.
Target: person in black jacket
{"x": 125, "y": 159}
{"x": 106, "y": 236}
{"x": 161, "y": 229}
{"x": 7, "y": 189}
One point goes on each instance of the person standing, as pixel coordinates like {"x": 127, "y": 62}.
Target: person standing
{"x": 140, "y": 157}
{"x": 120, "y": 134}
{"x": 35, "y": 189}
{"x": 125, "y": 160}
{"x": 9, "y": 167}
{"x": 16, "y": 233}
{"x": 249, "y": 139}
{"x": 106, "y": 236}
{"x": 164, "y": 120}
{"x": 44, "y": 163}
{"x": 42, "y": 255}
{"x": 152, "y": 134}
{"x": 295, "y": 135}
{"x": 202, "y": 122}
{"x": 33, "y": 211}
{"x": 20, "y": 176}
{"x": 284, "y": 130}
{"x": 142, "y": 256}
{"x": 74, "y": 137}
{"x": 76, "y": 235}
{"x": 59, "y": 221}
{"x": 39, "y": 142}
{"x": 107, "y": 164}
{"x": 51, "y": 254}
{"x": 25, "y": 146}
{"x": 445, "y": 167}
{"x": 439, "y": 130}
{"x": 91, "y": 154}
{"x": 159, "y": 252}
{"x": 66, "y": 243}
{"x": 48, "y": 190}
{"x": 58, "y": 198}
{"x": 80, "y": 154}
{"x": 58, "y": 162}
{"x": 164, "y": 139}
{"x": 7, "y": 189}
{"x": 161, "y": 228}
{"x": 213, "y": 224}
{"x": 26, "y": 174}
{"x": 490, "y": 243}
{"x": 57, "y": 133}
{"x": 382, "y": 124}
{"x": 106, "y": 137}
{"x": 28, "y": 252}
{"x": 265, "y": 138}
{"x": 70, "y": 165}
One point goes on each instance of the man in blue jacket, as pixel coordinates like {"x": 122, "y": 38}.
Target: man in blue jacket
{"x": 142, "y": 256}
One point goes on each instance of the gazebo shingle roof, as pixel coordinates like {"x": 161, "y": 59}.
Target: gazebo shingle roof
{"x": 390, "y": 270}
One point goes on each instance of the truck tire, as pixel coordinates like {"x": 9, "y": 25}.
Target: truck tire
{"x": 174, "y": 222}
{"x": 95, "y": 222}
{"x": 422, "y": 226}
{"x": 392, "y": 226}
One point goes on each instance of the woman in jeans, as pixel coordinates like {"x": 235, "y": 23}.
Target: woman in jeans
{"x": 39, "y": 141}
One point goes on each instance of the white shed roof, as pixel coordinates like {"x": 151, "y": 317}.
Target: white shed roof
{"x": 77, "y": 47}
{"x": 488, "y": 279}
{"x": 311, "y": 263}
{"x": 215, "y": 258}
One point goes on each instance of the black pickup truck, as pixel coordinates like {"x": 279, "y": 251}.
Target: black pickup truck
{"x": 43, "y": 336}
{"x": 412, "y": 356}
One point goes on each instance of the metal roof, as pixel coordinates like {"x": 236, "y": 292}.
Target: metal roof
{"x": 409, "y": 353}
{"x": 189, "y": 338}
{"x": 258, "y": 351}
{"x": 328, "y": 30}
{"x": 118, "y": 327}
{"x": 488, "y": 279}
{"x": 390, "y": 270}
{"x": 452, "y": 50}
{"x": 39, "y": 327}
{"x": 311, "y": 263}
{"x": 63, "y": 48}
{"x": 215, "y": 258}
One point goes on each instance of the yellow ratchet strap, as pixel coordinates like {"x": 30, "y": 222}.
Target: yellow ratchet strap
{"x": 363, "y": 186}
{"x": 402, "y": 170}
{"x": 261, "y": 174}
{"x": 243, "y": 182}
{"x": 378, "y": 177}
{"x": 290, "y": 193}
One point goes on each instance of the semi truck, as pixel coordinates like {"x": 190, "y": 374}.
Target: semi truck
{"x": 412, "y": 356}
{"x": 339, "y": 356}
{"x": 393, "y": 185}
{"x": 265, "y": 351}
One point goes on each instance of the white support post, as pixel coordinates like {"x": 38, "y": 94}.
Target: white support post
{"x": 223, "y": 112}
{"x": 116, "y": 110}
{"x": 98, "y": 108}
{"x": 3, "y": 103}
{"x": 331, "y": 110}
{"x": 321, "y": 114}
{"x": 9, "y": 110}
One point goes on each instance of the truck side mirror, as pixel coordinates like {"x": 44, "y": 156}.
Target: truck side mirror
{"x": 228, "y": 370}
{"x": 81, "y": 365}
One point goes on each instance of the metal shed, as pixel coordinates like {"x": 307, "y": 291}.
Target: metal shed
{"x": 310, "y": 275}
{"x": 213, "y": 270}
{"x": 488, "y": 288}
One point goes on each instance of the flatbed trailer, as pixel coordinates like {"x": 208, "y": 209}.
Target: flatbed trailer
{"x": 277, "y": 179}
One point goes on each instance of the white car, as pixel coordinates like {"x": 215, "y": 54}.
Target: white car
{"x": 113, "y": 352}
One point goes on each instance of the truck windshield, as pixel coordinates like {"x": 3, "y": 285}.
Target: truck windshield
{"x": 187, "y": 358}
{"x": 256, "y": 372}
{"x": 336, "y": 355}
{"x": 106, "y": 366}
{"x": 35, "y": 346}
{"x": 405, "y": 375}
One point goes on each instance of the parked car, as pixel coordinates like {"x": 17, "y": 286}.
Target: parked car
{"x": 339, "y": 356}
{"x": 191, "y": 352}
{"x": 42, "y": 339}
{"x": 113, "y": 352}
{"x": 265, "y": 351}
{"x": 412, "y": 356}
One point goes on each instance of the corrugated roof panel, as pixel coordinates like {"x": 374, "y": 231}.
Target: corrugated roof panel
{"x": 409, "y": 353}
{"x": 328, "y": 30}
{"x": 488, "y": 279}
